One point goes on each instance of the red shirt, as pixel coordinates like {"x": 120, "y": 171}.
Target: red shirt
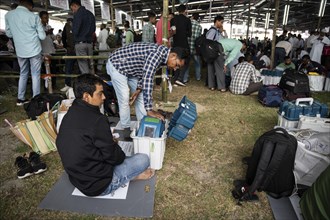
{"x": 159, "y": 33}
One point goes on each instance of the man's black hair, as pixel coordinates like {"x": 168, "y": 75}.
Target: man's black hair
{"x": 182, "y": 53}
{"x": 248, "y": 58}
{"x": 77, "y": 2}
{"x": 181, "y": 8}
{"x": 306, "y": 57}
{"x": 151, "y": 14}
{"x": 85, "y": 83}
{"x": 218, "y": 18}
{"x": 42, "y": 13}
{"x": 195, "y": 16}
{"x": 29, "y": 2}
{"x": 286, "y": 57}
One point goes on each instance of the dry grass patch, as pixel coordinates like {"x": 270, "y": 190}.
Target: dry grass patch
{"x": 196, "y": 179}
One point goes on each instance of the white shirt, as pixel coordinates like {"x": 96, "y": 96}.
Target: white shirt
{"x": 317, "y": 48}
{"x": 266, "y": 60}
{"x": 286, "y": 45}
{"x": 102, "y": 39}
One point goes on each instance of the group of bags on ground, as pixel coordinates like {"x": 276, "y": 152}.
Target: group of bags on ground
{"x": 294, "y": 157}
{"x": 289, "y": 85}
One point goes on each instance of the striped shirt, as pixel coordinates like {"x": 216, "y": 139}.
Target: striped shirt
{"x": 141, "y": 60}
{"x": 196, "y": 31}
{"x": 148, "y": 33}
{"x": 244, "y": 74}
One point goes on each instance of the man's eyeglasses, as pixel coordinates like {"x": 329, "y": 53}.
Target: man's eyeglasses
{"x": 178, "y": 64}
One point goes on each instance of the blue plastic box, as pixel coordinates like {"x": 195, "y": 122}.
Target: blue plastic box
{"x": 274, "y": 73}
{"x": 151, "y": 127}
{"x": 183, "y": 119}
{"x": 179, "y": 132}
{"x": 303, "y": 106}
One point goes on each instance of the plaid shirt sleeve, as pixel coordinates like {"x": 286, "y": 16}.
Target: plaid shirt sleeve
{"x": 149, "y": 69}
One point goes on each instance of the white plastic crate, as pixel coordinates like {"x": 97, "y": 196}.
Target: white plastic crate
{"x": 314, "y": 123}
{"x": 286, "y": 123}
{"x": 308, "y": 165}
{"x": 270, "y": 80}
{"x": 327, "y": 85}
{"x": 316, "y": 83}
{"x": 153, "y": 147}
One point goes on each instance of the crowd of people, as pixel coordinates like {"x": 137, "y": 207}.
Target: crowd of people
{"x": 132, "y": 67}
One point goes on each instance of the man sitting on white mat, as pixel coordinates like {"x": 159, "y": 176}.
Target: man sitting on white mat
{"x": 95, "y": 163}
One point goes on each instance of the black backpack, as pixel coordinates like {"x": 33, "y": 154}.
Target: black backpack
{"x": 137, "y": 37}
{"x": 295, "y": 82}
{"x": 111, "y": 41}
{"x": 38, "y": 104}
{"x": 110, "y": 104}
{"x": 209, "y": 50}
{"x": 270, "y": 167}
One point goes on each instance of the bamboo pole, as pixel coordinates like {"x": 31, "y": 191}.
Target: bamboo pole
{"x": 112, "y": 16}
{"x": 277, "y": 6}
{"x": 319, "y": 24}
{"x": 47, "y": 61}
{"x": 248, "y": 24}
{"x": 231, "y": 18}
{"x": 165, "y": 29}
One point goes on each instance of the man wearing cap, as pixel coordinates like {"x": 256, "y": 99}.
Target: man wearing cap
{"x": 83, "y": 27}
{"x": 25, "y": 28}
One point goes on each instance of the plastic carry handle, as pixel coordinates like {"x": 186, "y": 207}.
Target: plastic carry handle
{"x": 300, "y": 100}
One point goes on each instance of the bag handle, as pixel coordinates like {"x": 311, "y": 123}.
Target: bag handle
{"x": 279, "y": 129}
{"x": 300, "y": 100}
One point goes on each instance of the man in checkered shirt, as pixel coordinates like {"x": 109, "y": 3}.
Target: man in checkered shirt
{"x": 196, "y": 31}
{"x": 132, "y": 69}
{"x": 245, "y": 80}
{"x": 148, "y": 30}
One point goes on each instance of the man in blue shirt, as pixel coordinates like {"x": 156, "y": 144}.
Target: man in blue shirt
{"x": 215, "y": 70}
{"x": 132, "y": 69}
{"x": 25, "y": 28}
{"x": 83, "y": 27}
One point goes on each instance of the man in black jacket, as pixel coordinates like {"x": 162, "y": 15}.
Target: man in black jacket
{"x": 96, "y": 165}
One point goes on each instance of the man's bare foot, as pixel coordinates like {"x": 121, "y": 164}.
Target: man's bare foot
{"x": 145, "y": 175}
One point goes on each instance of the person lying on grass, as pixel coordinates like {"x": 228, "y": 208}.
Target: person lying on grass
{"x": 95, "y": 163}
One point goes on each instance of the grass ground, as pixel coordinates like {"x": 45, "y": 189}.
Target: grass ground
{"x": 196, "y": 179}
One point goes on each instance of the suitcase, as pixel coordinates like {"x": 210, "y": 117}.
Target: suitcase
{"x": 270, "y": 96}
{"x": 303, "y": 106}
{"x": 295, "y": 82}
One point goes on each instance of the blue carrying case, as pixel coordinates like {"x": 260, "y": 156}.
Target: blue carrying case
{"x": 303, "y": 106}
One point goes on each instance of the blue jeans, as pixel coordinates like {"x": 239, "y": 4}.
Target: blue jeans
{"x": 27, "y": 64}
{"x": 126, "y": 171}
{"x": 125, "y": 86}
{"x": 197, "y": 61}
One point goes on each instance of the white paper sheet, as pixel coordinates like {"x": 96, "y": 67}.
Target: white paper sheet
{"x": 120, "y": 193}
{"x": 134, "y": 124}
{"x": 127, "y": 147}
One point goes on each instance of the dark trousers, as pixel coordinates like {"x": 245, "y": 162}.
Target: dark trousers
{"x": 69, "y": 64}
{"x": 279, "y": 55}
{"x": 216, "y": 75}
{"x": 253, "y": 87}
